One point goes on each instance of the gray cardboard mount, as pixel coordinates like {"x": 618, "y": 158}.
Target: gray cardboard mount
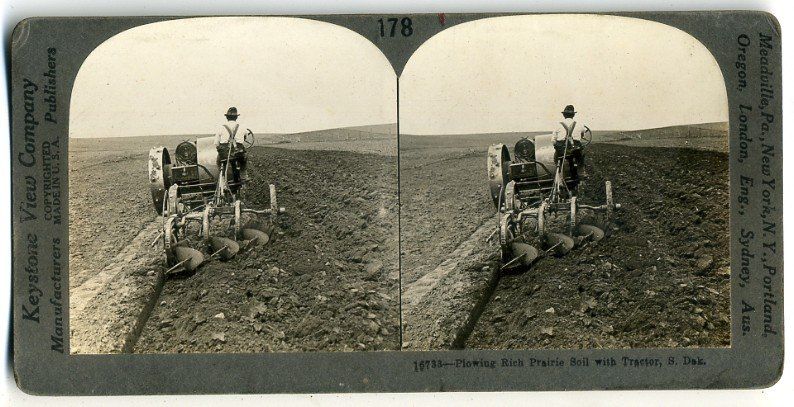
{"x": 754, "y": 359}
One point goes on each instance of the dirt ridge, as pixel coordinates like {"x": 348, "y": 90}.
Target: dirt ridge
{"x": 440, "y": 308}
{"x": 107, "y": 309}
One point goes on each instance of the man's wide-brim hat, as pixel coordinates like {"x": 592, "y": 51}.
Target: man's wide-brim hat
{"x": 569, "y": 110}
{"x": 232, "y": 112}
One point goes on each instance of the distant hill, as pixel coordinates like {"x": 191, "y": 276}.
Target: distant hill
{"x": 389, "y": 128}
{"x": 706, "y": 136}
{"x": 372, "y": 132}
{"x": 712, "y": 126}
{"x": 377, "y": 139}
{"x": 669, "y": 131}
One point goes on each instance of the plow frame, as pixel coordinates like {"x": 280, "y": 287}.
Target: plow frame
{"x": 199, "y": 201}
{"x": 524, "y": 216}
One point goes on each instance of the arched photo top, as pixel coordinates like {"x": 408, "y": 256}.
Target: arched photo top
{"x": 284, "y": 75}
{"x": 517, "y": 73}
{"x": 217, "y": 137}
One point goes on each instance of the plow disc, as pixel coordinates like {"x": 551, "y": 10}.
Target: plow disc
{"x": 184, "y": 258}
{"x": 187, "y": 259}
{"x": 524, "y": 255}
{"x": 559, "y": 243}
{"x": 589, "y": 232}
{"x": 517, "y": 227}
{"x": 517, "y": 253}
{"x": 255, "y": 236}
{"x": 223, "y": 248}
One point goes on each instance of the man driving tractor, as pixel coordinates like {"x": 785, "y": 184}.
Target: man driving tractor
{"x": 568, "y": 142}
{"x": 230, "y": 142}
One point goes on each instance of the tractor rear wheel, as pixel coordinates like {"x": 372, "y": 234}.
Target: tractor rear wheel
{"x": 159, "y": 176}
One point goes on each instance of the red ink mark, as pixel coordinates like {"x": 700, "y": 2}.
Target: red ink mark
{"x": 442, "y": 18}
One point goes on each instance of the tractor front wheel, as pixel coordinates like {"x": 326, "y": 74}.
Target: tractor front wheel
{"x": 238, "y": 213}
{"x": 542, "y": 218}
{"x": 506, "y": 235}
{"x": 273, "y": 204}
{"x": 573, "y": 216}
{"x": 205, "y": 222}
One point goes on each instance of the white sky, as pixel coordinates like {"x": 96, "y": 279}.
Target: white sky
{"x": 283, "y": 74}
{"x": 517, "y": 73}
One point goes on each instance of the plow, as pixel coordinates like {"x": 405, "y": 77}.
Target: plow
{"x": 537, "y": 199}
{"x": 200, "y": 202}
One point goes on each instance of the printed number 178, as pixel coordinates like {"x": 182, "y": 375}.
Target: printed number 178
{"x": 389, "y": 26}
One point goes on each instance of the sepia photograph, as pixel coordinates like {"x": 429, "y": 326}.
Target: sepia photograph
{"x": 233, "y": 188}
{"x": 564, "y": 185}
{"x": 503, "y": 201}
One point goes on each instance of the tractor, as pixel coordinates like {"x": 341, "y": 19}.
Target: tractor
{"x": 537, "y": 199}
{"x": 194, "y": 193}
